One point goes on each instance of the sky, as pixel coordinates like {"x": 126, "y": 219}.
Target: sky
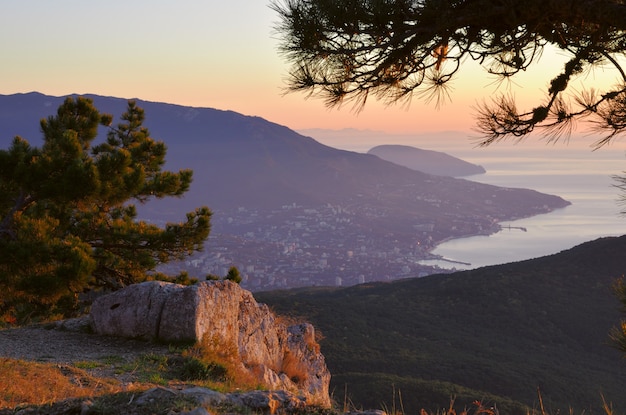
{"x": 205, "y": 53}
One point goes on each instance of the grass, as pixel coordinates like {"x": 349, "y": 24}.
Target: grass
{"x": 88, "y": 365}
{"x": 216, "y": 364}
{"x": 31, "y": 383}
{"x": 113, "y": 404}
{"x": 294, "y": 368}
{"x": 209, "y": 364}
{"x": 50, "y": 388}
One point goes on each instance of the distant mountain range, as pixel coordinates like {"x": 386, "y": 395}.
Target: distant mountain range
{"x": 497, "y": 334}
{"x": 427, "y": 161}
{"x": 285, "y": 194}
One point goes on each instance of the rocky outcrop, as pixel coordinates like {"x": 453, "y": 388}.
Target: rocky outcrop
{"x": 222, "y": 314}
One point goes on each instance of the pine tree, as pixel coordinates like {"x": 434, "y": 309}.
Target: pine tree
{"x": 396, "y": 49}
{"x": 68, "y": 221}
{"x": 233, "y": 275}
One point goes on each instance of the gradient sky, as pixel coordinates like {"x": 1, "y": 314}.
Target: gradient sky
{"x": 205, "y": 53}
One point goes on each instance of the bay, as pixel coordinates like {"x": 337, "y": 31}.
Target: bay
{"x": 578, "y": 175}
{"x": 567, "y": 168}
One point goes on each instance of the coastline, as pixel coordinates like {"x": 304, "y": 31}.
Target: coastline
{"x": 435, "y": 259}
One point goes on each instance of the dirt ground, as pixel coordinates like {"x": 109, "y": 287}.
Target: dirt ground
{"x": 69, "y": 342}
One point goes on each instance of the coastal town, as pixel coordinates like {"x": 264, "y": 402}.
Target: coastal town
{"x": 296, "y": 246}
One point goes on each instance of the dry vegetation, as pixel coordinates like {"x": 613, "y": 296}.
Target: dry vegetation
{"x": 111, "y": 382}
{"x": 23, "y": 382}
{"x": 50, "y": 388}
{"x": 218, "y": 364}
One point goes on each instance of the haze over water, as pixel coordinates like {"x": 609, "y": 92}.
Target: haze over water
{"x": 574, "y": 172}
{"x": 587, "y": 184}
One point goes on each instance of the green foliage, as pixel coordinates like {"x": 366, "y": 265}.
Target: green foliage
{"x": 505, "y": 330}
{"x": 233, "y": 275}
{"x": 67, "y": 218}
{"x": 195, "y": 369}
{"x": 183, "y": 278}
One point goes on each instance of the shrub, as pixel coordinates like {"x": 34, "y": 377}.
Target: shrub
{"x": 233, "y": 275}
{"x": 219, "y": 361}
{"x": 195, "y": 369}
{"x": 294, "y": 368}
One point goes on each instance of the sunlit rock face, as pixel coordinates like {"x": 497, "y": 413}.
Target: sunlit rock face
{"x": 225, "y": 315}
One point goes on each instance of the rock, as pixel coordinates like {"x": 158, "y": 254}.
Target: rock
{"x": 303, "y": 361}
{"x": 267, "y": 401}
{"x": 223, "y": 311}
{"x": 85, "y": 407}
{"x": 79, "y": 324}
{"x": 223, "y": 316}
{"x": 155, "y": 394}
{"x": 205, "y": 397}
{"x": 134, "y": 311}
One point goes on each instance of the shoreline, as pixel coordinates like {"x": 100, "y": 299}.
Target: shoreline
{"x": 499, "y": 227}
{"x": 435, "y": 257}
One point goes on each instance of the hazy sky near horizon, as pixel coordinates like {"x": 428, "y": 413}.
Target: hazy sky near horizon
{"x": 215, "y": 53}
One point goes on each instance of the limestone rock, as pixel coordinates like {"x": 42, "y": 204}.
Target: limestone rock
{"x": 222, "y": 314}
{"x": 311, "y": 373}
{"x": 205, "y": 397}
{"x": 155, "y": 394}
{"x": 196, "y": 411}
{"x": 223, "y": 310}
{"x": 79, "y": 324}
{"x": 267, "y": 401}
{"x": 133, "y": 312}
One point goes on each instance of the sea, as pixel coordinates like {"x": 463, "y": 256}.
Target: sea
{"x": 572, "y": 170}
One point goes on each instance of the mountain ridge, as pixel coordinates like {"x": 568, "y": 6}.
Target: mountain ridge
{"x": 295, "y": 199}
{"x": 427, "y": 161}
{"x": 195, "y": 135}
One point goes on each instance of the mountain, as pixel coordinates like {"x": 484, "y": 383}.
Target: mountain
{"x": 427, "y": 161}
{"x": 290, "y": 210}
{"x": 506, "y": 331}
{"x": 247, "y": 161}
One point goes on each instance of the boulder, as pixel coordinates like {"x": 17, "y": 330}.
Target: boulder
{"x": 133, "y": 312}
{"x": 222, "y": 315}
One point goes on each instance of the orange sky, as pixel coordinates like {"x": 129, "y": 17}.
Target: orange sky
{"x": 207, "y": 54}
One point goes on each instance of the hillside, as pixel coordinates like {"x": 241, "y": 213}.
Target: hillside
{"x": 504, "y": 330}
{"x": 63, "y": 368}
{"x": 427, "y": 161}
{"x": 289, "y": 210}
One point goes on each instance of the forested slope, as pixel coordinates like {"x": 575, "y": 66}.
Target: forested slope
{"x": 507, "y": 330}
